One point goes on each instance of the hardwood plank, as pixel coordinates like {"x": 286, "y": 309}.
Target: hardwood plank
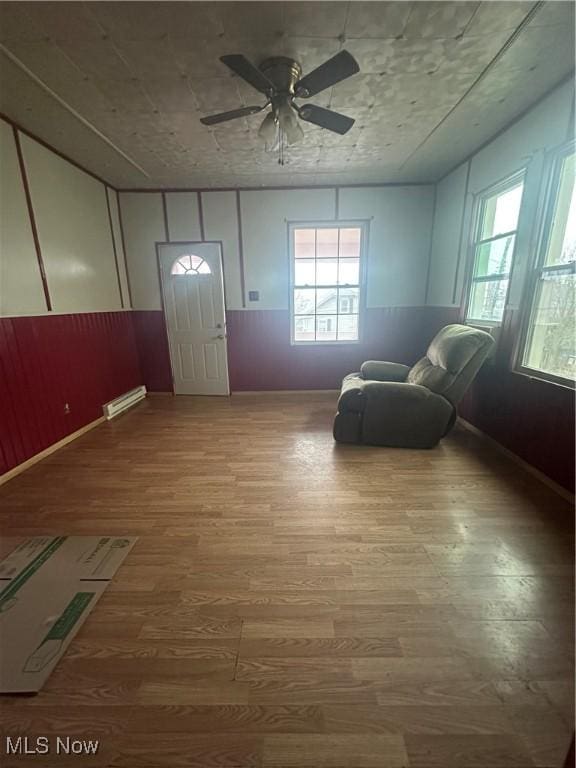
{"x": 288, "y": 628}
{"x": 333, "y": 751}
{"x": 189, "y": 751}
{"x": 207, "y": 651}
{"x": 343, "y": 647}
{"x": 230, "y": 718}
{"x": 185, "y": 692}
{"x": 469, "y": 751}
{"x": 401, "y": 670}
{"x": 296, "y": 669}
{"x": 428, "y": 719}
{"x": 85, "y": 721}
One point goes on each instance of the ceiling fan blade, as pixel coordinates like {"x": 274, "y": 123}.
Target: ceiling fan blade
{"x": 247, "y": 71}
{"x": 223, "y": 117}
{"x": 334, "y": 70}
{"x": 326, "y": 118}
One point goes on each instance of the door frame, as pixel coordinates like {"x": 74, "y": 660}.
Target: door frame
{"x": 157, "y": 245}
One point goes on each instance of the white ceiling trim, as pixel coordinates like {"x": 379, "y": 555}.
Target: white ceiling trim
{"x": 71, "y": 110}
{"x": 514, "y": 36}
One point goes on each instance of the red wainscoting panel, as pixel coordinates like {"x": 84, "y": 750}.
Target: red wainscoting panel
{"x": 152, "y": 343}
{"x": 262, "y": 358}
{"x": 532, "y": 418}
{"x": 84, "y": 360}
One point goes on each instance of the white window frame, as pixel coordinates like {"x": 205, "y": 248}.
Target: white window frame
{"x": 362, "y": 225}
{"x": 539, "y": 269}
{"x": 476, "y": 241}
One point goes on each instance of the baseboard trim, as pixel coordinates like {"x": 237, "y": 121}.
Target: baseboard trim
{"x": 47, "y": 451}
{"x": 286, "y": 392}
{"x": 159, "y": 394}
{"x": 559, "y": 489}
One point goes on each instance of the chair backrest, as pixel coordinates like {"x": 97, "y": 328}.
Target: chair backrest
{"x": 453, "y": 359}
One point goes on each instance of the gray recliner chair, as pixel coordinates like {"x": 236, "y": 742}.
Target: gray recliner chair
{"x": 395, "y": 405}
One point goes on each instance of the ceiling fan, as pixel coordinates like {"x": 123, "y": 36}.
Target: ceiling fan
{"x": 280, "y": 80}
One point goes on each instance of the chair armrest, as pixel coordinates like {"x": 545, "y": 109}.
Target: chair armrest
{"x": 408, "y": 415}
{"x": 399, "y": 392}
{"x": 351, "y": 398}
{"x": 376, "y": 370}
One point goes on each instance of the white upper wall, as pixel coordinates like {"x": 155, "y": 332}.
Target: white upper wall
{"x": 183, "y": 215}
{"x": 74, "y": 231}
{"x": 117, "y": 235}
{"x": 221, "y": 223}
{"x": 143, "y": 225}
{"x": 400, "y": 227}
{"x": 450, "y": 194}
{"x": 265, "y": 217}
{"x": 399, "y": 218}
{"x": 546, "y": 126}
{"x": 21, "y": 289}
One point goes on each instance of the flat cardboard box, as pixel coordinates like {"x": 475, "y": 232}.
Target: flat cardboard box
{"x": 48, "y": 586}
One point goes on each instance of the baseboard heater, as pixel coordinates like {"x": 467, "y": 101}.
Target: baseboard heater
{"x": 125, "y": 401}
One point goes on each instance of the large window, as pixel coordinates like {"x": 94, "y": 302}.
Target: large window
{"x": 326, "y": 282}
{"x": 493, "y": 249}
{"x": 550, "y": 339}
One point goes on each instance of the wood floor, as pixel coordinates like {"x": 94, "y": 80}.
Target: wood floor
{"x": 292, "y": 603}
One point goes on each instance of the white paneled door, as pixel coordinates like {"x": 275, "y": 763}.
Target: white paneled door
{"x": 193, "y": 290}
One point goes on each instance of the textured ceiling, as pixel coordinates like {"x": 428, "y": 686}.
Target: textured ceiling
{"x": 120, "y": 86}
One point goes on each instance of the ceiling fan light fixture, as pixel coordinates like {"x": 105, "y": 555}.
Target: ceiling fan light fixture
{"x": 288, "y": 123}
{"x": 268, "y": 132}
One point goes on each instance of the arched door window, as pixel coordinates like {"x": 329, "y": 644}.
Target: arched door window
{"x": 190, "y": 265}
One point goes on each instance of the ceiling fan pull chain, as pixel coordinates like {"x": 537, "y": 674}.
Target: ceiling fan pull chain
{"x": 280, "y": 146}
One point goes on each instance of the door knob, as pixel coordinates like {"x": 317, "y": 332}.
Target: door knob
{"x": 220, "y": 336}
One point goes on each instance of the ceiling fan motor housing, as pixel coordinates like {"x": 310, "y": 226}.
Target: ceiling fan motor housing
{"x": 283, "y": 72}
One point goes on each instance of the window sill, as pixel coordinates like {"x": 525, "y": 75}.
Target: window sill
{"x": 334, "y": 343}
{"x": 529, "y": 373}
{"x": 483, "y": 323}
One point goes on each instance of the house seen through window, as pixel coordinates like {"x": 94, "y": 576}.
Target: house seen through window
{"x": 325, "y": 283}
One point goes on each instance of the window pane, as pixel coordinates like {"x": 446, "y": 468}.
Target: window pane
{"x": 304, "y": 301}
{"x": 349, "y": 271}
{"x": 326, "y": 288}
{"x": 562, "y": 243}
{"x": 326, "y": 328}
{"x": 326, "y": 301}
{"x": 326, "y": 243}
{"x": 304, "y": 243}
{"x": 304, "y": 272}
{"x": 326, "y": 271}
{"x": 500, "y": 212}
{"x": 347, "y": 327}
{"x": 348, "y": 301}
{"x": 350, "y": 243}
{"x": 552, "y": 340}
{"x": 495, "y": 257}
{"x": 487, "y": 300}
{"x": 304, "y": 328}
